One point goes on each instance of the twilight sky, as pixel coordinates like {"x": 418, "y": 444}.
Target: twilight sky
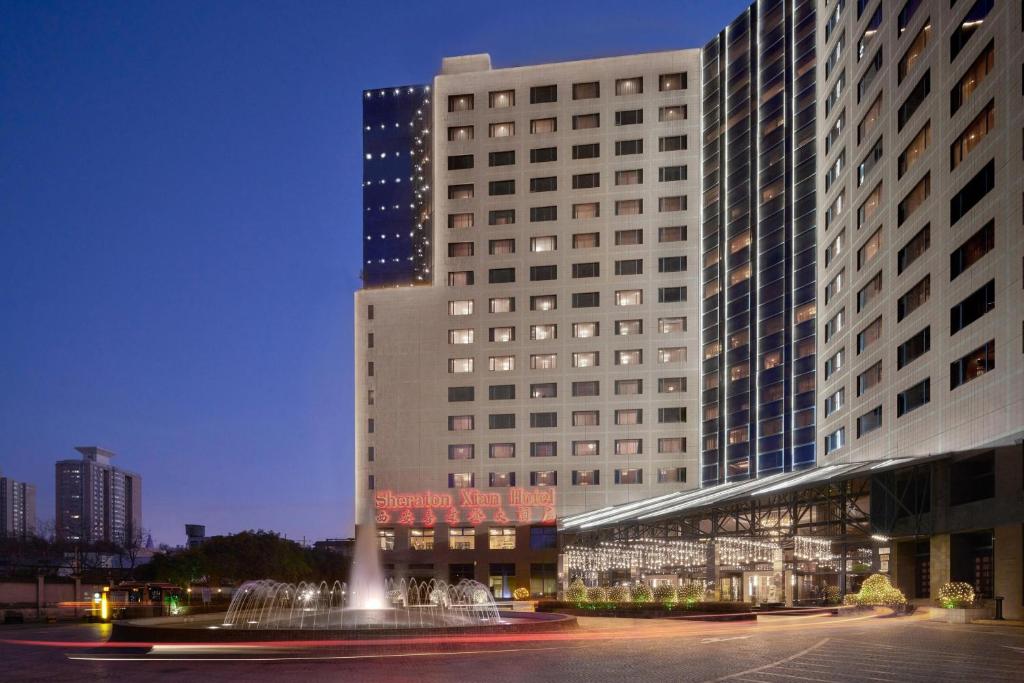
{"x": 180, "y": 209}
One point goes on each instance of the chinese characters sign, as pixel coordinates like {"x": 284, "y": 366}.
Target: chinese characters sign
{"x": 470, "y": 507}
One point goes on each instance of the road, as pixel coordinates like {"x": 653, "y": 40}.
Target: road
{"x": 774, "y": 649}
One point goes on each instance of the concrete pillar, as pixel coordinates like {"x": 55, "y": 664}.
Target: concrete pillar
{"x": 1009, "y": 563}
{"x": 939, "y": 562}
{"x": 902, "y": 566}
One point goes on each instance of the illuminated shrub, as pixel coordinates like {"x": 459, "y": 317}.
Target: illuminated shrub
{"x": 665, "y": 594}
{"x": 521, "y": 593}
{"x": 597, "y": 594}
{"x": 619, "y": 594}
{"x": 577, "y": 592}
{"x": 876, "y": 590}
{"x": 831, "y": 595}
{"x": 690, "y": 593}
{"x": 642, "y": 592}
{"x": 956, "y": 595}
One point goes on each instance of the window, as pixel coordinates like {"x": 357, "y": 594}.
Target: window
{"x": 501, "y": 275}
{"x": 629, "y": 267}
{"x": 914, "y": 200}
{"x": 584, "y": 330}
{"x": 668, "y": 295}
{"x": 543, "y": 361}
{"x": 386, "y": 539}
{"x": 460, "y": 278}
{"x": 976, "y": 188}
{"x": 671, "y": 415}
{"x": 502, "y": 130}
{"x": 906, "y": 14}
{"x": 668, "y": 82}
{"x": 501, "y": 537}
{"x": 973, "y": 365}
{"x": 504, "y": 304}
{"x": 544, "y": 537}
{"x": 540, "y": 214}
{"x": 543, "y": 449}
{"x": 972, "y": 21}
{"x": 501, "y": 363}
{"x": 870, "y": 207}
{"x": 497, "y": 188}
{"x": 460, "y": 162}
{"x": 461, "y": 538}
{"x": 627, "y": 147}
{"x": 673, "y": 234}
{"x": 973, "y": 479}
{"x": 458, "y": 366}
{"x": 586, "y": 91}
{"x": 671, "y": 474}
{"x": 972, "y": 136}
{"x": 460, "y": 102}
{"x": 914, "y": 100}
{"x": 629, "y": 86}
{"x": 629, "y": 327}
{"x": 916, "y": 297}
{"x": 629, "y": 237}
{"x": 869, "y": 292}
{"x": 544, "y": 390}
{"x": 501, "y": 247}
{"x": 675, "y": 112}
{"x": 869, "y": 421}
{"x": 976, "y": 73}
{"x": 869, "y": 378}
{"x": 872, "y": 71}
{"x": 584, "y": 448}
{"x": 543, "y": 94}
{"x": 913, "y": 249}
{"x": 834, "y": 326}
{"x": 459, "y": 249}
{"x": 461, "y": 480}
{"x": 586, "y": 240}
{"x": 590, "y": 151}
{"x": 913, "y": 398}
{"x": 501, "y": 421}
{"x": 461, "y": 451}
{"x": 835, "y": 209}
{"x": 671, "y": 325}
{"x": 460, "y": 220}
{"x": 629, "y": 387}
{"x": 460, "y": 133}
{"x": 915, "y": 150}
{"x": 460, "y": 336}
{"x": 543, "y": 332}
{"x": 835, "y": 92}
{"x": 835, "y": 440}
{"x": 585, "y": 181}
{"x": 506, "y": 158}
{"x": 544, "y": 243}
{"x": 629, "y": 446}
{"x": 586, "y": 299}
{"x": 542, "y": 155}
{"x": 836, "y": 131}
{"x": 913, "y": 53}
{"x": 971, "y": 251}
{"x": 587, "y": 210}
{"x": 631, "y": 177}
{"x": 584, "y": 270}
{"x": 501, "y": 392}
{"x": 913, "y": 348}
{"x": 629, "y": 357}
{"x": 460, "y": 191}
{"x": 834, "y": 169}
{"x": 671, "y": 385}
{"x": 586, "y": 477}
{"x": 460, "y": 307}
{"x": 835, "y": 286}
{"x": 835, "y": 401}
{"x": 671, "y": 173}
{"x": 977, "y": 304}
{"x": 501, "y": 99}
{"x": 501, "y": 217}
{"x": 585, "y": 359}
{"x": 869, "y": 335}
{"x": 587, "y": 388}
{"x": 669, "y": 204}
{"x": 460, "y": 423}
{"x": 501, "y": 335}
{"x": 869, "y": 162}
{"x": 584, "y": 122}
{"x": 675, "y": 444}
{"x": 629, "y": 476}
{"x": 833, "y": 57}
{"x": 629, "y": 117}
{"x": 870, "y": 249}
{"x": 629, "y": 297}
{"x": 870, "y": 33}
{"x": 674, "y": 354}
{"x": 546, "y": 125}
{"x": 671, "y": 143}
{"x": 585, "y": 418}
{"x": 541, "y": 273}
{"x": 835, "y": 363}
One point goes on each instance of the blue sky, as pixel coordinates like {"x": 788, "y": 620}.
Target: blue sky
{"x": 180, "y": 210}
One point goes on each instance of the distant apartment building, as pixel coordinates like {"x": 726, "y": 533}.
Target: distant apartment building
{"x": 96, "y": 501}
{"x": 17, "y": 508}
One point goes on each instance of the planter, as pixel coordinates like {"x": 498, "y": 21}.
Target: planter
{"x": 964, "y": 616}
{"x": 524, "y": 605}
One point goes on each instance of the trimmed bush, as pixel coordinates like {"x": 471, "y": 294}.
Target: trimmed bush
{"x": 642, "y": 592}
{"x": 665, "y": 593}
{"x": 876, "y": 590}
{"x": 577, "y": 592}
{"x": 619, "y": 594}
{"x": 597, "y": 594}
{"x": 690, "y": 594}
{"x": 956, "y": 595}
{"x": 832, "y": 595}
{"x": 521, "y": 593}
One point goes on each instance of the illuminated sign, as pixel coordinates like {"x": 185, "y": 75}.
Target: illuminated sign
{"x": 469, "y": 507}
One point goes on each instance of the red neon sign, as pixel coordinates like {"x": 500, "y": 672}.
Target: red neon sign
{"x": 472, "y": 505}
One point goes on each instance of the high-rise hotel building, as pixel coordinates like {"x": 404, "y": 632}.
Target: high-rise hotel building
{"x": 96, "y": 501}
{"x": 792, "y": 251}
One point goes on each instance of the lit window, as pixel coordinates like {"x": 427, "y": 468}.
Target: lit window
{"x": 629, "y": 387}
{"x": 501, "y": 99}
{"x": 501, "y": 363}
{"x": 583, "y": 448}
{"x": 502, "y": 130}
{"x": 674, "y": 444}
{"x": 543, "y": 361}
{"x": 585, "y": 418}
{"x": 546, "y": 243}
{"x": 460, "y": 365}
{"x": 584, "y": 359}
{"x": 543, "y": 332}
{"x": 460, "y": 307}
{"x": 421, "y": 539}
{"x": 675, "y": 354}
{"x": 584, "y": 330}
{"x": 629, "y": 476}
{"x": 461, "y": 538}
{"x": 629, "y": 297}
{"x": 501, "y": 538}
{"x": 629, "y": 416}
{"x": 629, "y": 86}
{"x": 629, "y": 357}
{"x": 671, "y": 325}
{"x": 502, "y": 305}
{"x": 386, "y": 539}
{"x": 672, "y": 113}
{"x": 460, "y": 336}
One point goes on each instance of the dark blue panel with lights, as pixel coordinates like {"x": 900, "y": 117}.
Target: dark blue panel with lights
{"x": 395, "y": 175}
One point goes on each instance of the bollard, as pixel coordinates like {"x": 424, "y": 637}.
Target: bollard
{"x": 999, "y": 608}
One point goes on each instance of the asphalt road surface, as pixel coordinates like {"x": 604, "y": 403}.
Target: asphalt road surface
{"x": 788, "y": 649}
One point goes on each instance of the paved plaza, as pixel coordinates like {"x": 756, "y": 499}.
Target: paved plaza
{"x": 775, "y": 648}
